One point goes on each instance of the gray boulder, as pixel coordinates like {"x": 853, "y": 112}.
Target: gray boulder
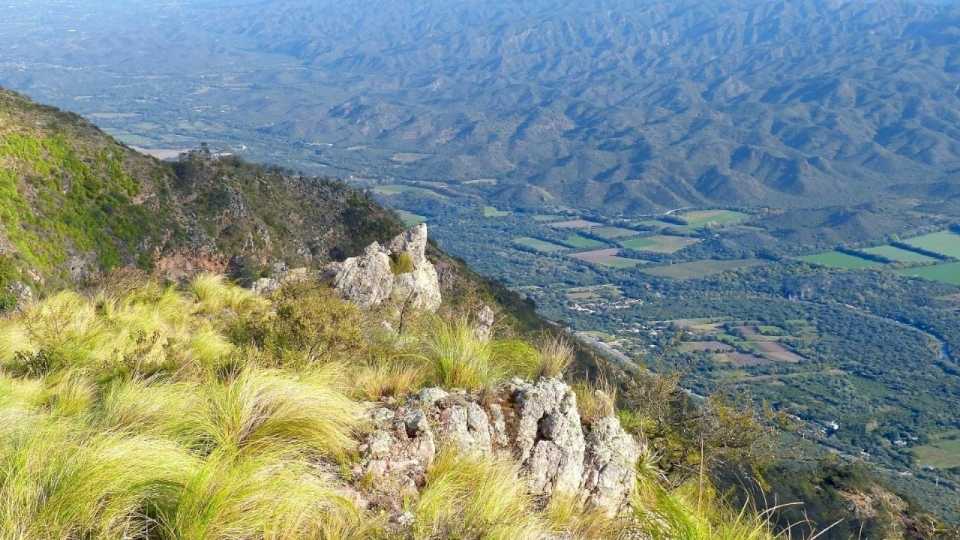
{"x": 371, "y": 279}
{"x": 535, "y": 423}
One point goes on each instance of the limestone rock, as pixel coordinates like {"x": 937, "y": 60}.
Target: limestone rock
{"x": 549, "y": 439}
{"x": 611, "y": 457}
{"x": 369, "y": 280}
{"x": 483, "y": 327}
{"x": 535, "y": 423}
{"x": 366, "y": 280}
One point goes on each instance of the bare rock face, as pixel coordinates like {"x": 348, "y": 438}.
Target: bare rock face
{"x": 609, "y": 465}
{"x": 549, "y": 440}
{"x": 371, "y": 279}
{"x": 485, "y": 319}
{"x": 535, "y": 423}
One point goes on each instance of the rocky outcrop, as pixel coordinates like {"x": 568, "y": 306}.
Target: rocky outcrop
{"x": 399, "y": 273}
{"x": 537, "y": 424}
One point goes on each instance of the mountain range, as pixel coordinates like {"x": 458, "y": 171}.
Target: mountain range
{"x": 628, "y": 106}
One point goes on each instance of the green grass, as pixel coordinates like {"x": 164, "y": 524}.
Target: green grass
{"x": 398, "y": 189}
{"x": 621, "y": 262}
{"x": 900, "y": 255}
{"x": 944, "y": 242}
{"x": 700, "y": 269}
{"x": 659, "y": 243}
{"x": 836, "y": 259}
{"x": 79, "y": 197}
{"x": 493, "y": 212}
{"x": 942, "y": 452}
{"x": 944, "y": 273}
{"x": 611, "y": 233}
{"x": 713, "y": 218}
{"x": 538, "y": 245}
{"x": 577, "y": 241}
{"x": 207, "y": 412}
{"x": 548, "y": 217}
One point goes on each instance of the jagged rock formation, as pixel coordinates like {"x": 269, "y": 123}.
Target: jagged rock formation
{"x": 537, "y": 424}
{"x": 399, "y": 273}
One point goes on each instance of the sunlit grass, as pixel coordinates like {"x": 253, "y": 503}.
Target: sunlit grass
{"x": 210, "y": 413}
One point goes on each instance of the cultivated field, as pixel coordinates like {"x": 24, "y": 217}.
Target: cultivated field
{"x": 943, "y": 242}
{"x": 409, "y": 218}
{"x": 408, "y": 157}
{"x": 397, "y": 189}
{"x": 660, "y": 243}
{"x": 547, "y": 217}
{"x": 611, "y": 233}
{"x": 713, "y": 218}
{"x": 575, "y": 224}
{"x": 701, "y": 269}
{"x": 538, "y": 245}
{"x": 606, "y": 257}
{"x": 942, "y": 452}
{"x": 494, "y": 212}
{"x": 944, "y": 273}
{"x": 705, "y": 346}
{"x": 900, "y": 255}
{"x": 582, "y": 242}
{"x": 836, "y": 259}
{"x": 594, "y": 292}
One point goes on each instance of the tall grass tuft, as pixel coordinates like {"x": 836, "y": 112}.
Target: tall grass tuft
{"x": 214, "y": 295}
{"x": 259, "y": 410}
{"x": 59, "y": 481}
{"x": 556, "y": 355}
{"x": 269, "y": 496}
{"x": 469, "y": 496}
{"x": 459, "y": 359}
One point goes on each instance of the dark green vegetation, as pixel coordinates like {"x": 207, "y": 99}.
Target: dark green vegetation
{"x": 616, "y": 105}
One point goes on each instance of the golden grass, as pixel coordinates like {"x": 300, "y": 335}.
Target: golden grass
{"x": 211, "y": 413}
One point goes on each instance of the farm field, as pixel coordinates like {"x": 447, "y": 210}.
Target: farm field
{"x": 540, "y": 218}
{"x": 606, "y": 257}
{"x": 705, "y": 346}
{"x": 942, "y": 452}
{"x": 494, "y": 212}
{"x": 582, "y": 242}
{"x": 408, "y": 157}
{"x": 538, "y": 245}
{"x": 836, "y": 259}
{"x": 611, "y": 233}
{"x": 574, "y": 224}
{"x": 660, "y": 243}
{"x": 944, "y": 273}
{"x": 703, "y": 218}
{"x": 900, "y": 255}
{"x": 595, "y": 292}
{"x": 701, "y": 269}
{"x": 397, "y": 189}
{"x": 410, "y": 219}
{"x": 943, "y": 242}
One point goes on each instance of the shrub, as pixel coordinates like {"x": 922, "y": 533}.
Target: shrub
{"x": 310, "y": 325}
{"x": 401, "y": 263}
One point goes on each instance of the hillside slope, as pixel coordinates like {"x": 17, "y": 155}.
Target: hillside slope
{"x": 76, "y": 204}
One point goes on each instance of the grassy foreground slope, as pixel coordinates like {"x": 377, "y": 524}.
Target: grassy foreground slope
{"x": 207, "y": 412}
